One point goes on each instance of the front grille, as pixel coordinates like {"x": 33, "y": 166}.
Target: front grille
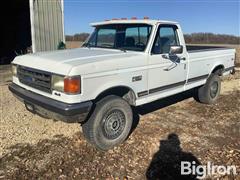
{"x": 35, "y": 78}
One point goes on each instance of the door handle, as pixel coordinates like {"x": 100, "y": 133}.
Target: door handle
{"x": 182, "y": 59}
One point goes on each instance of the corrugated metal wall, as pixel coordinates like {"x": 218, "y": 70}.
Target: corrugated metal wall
{"x": 47, "y": 24}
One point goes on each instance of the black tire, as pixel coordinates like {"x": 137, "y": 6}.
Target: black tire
{"x": 109, "y": 124}
{"x": 209, "y": 93}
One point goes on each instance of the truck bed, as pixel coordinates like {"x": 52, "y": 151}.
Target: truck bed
{"x": 199, "y": 48}
{"x": 202, "y": 59}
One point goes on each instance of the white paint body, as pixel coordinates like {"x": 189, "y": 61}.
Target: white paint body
{"x": 101, "y": 69}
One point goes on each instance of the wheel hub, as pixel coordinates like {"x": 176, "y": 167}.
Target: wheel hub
{"x": 113, "y": 124}
{"x": 213, "y": 89}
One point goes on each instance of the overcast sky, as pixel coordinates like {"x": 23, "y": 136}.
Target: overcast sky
{"x": 216, "y": 16}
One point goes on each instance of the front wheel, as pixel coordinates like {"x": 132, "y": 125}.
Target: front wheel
{"x": 110, "y": 123}
{"x": 209, "y": 92}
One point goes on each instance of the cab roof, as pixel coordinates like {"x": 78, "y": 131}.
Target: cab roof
{"x": 132, "y": 21}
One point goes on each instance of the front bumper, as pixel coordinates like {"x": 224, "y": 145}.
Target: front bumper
{"x": 50, "y": 108}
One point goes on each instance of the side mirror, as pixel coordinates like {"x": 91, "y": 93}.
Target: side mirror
{"x": 175, "y": 50}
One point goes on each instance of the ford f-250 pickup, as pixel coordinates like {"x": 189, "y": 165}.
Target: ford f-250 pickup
{"x": 123, "y": 63}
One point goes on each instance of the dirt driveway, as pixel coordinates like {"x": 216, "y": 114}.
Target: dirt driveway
{"x": 168, "y": 132}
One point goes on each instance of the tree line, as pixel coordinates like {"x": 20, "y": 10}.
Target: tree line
{"x": 210, "y": 38}
{"x": 193, "y": 38}
{"x": 77, "y": 37}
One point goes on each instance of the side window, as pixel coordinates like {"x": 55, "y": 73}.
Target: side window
{"x": 166, "y": 37}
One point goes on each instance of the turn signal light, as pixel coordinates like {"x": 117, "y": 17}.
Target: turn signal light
{"x": 72, "y": 85}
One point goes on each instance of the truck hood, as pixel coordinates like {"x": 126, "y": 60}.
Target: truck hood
{"x": 84, "y": 59}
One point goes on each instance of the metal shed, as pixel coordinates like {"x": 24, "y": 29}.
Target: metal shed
{"x": 36, "y": 25}
{"x": 47, "y": 24}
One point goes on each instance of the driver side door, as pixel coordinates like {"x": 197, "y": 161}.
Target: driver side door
{"x": 167, "y": 73}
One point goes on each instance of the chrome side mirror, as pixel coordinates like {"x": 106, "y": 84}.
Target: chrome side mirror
{"x": 175, "y": 50}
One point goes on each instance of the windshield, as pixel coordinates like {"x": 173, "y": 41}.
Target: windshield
{"x": 120, "y": 36}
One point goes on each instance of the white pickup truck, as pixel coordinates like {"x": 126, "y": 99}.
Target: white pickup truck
{"x": 124, "y": 63}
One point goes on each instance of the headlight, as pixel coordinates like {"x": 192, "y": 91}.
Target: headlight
{"x": 58, "y": 83}
{"x": 14, "y": 69}
{"x": 69, "y": 85}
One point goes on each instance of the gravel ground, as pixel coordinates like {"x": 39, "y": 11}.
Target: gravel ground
{"x": 168, "y": 131}
{"x": 20, "y": 126}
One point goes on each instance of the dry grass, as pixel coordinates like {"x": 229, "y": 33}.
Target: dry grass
{"x": 237, "y": 61}
{"x": 73, "y": 44}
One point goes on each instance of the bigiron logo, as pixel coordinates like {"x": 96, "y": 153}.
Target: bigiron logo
{"x": 202, "y": 171}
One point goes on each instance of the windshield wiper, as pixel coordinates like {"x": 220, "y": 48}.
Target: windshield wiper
{"x": 87, "y": 44}
{"x": 122, "y": 49}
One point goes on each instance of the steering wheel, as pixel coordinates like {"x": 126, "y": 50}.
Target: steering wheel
{"x": 140, "y": 44}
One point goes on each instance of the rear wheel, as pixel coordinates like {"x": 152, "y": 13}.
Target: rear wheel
{"x": 110, "y": 123}
{"x": 209, "y": 92}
